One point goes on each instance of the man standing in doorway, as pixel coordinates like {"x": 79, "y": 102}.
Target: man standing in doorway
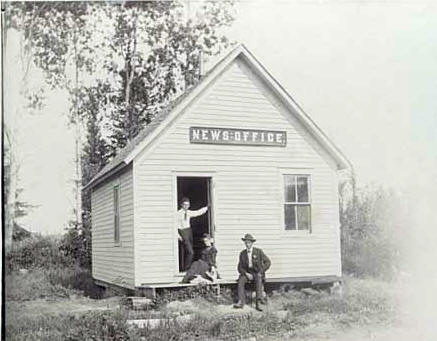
{"x": 184, "y": 228}
{"x": 252, "y": 265}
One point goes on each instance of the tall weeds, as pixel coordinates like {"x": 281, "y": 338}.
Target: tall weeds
{"x": 374, "y": 230}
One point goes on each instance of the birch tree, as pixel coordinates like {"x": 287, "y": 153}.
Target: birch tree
{"x": 120, "y": 64}
{"x": 56, "y": 36}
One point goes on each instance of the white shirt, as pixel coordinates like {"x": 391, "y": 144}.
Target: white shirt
{"x": 183, "y": 217}
{"x": 249, "y": 257}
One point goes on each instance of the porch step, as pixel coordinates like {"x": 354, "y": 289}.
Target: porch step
{"x": 138, "y": 303}
{"x": 310, "y": 279}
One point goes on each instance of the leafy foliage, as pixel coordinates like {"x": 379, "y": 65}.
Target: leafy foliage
{"x": 39, "y": 251}
{"x": 95, "y": 154}
{"x": 137, "y": 54}
{"x": 14, "y": 205}
{"x": 374, "y": 226}
{"x": 55, "y": 35}
{"x": 155, "y": 55}
{"x": 53, "y": 282}
{"x": 120, "y": 63}
{"x": 36, "y": 252}
{"x": 76, "y": 246}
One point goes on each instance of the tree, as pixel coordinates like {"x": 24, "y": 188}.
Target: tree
{"x": 8, "y": 190}
{"x": 15, "y": 207}
{"x": 374, "y": 224}
{"x": 120, "y": 64}
{"x": 155, "y": 54}
{"x": 57, "y": 37}
{"x": 96, "y": 151}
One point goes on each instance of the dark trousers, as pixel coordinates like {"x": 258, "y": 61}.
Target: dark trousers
{"x": 242, "y": 280}
{"x": 187, "y": 238}
{"x": 199, "y": 267}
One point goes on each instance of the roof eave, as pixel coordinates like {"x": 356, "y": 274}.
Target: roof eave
{"x": 341, "y": 161}
{"x": 96, "y": 181}
{"x": 218, "y": 69}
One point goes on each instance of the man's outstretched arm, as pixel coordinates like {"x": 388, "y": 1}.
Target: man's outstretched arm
{"x": 199, "y": 212}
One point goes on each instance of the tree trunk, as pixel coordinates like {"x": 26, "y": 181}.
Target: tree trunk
{"x": 78, "y": 180}
{"x": 8, "y": 164}
{"x": 130, "y": 71}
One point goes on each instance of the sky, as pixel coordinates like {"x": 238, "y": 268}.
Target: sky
{"x": 365, "y": 72}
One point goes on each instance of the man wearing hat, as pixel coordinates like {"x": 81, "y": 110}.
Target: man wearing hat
{"x": 252, "y": 265}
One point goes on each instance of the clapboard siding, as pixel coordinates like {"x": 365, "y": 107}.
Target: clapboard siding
{"x": 247, "y": 185}
{"x": 110, "y": 262}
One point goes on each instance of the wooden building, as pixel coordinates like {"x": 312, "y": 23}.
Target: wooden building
{"x": 238, "y": 142}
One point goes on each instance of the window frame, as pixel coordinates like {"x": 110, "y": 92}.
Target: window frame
{"x": 282, "y": 200}
{"x": 116, "y": 188}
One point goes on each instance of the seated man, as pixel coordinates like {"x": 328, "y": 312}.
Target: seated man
{"x": 252, "y": 265}
{"x": 204, "y": 269}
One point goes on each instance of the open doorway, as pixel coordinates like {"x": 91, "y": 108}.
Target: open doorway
{"x": 198, "y": 190}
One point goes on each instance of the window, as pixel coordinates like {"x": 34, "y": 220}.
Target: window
{"x": 297, "y": 206}
{"x": 116, "y": 213}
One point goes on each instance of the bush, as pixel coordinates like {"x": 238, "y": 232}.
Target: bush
{"x": 75, "y": 245}
{"x": 55, "y": 282}
{"x": 373, "y": 225}
{"x": 37, "y": 252}
{"x": 55, "y": 268}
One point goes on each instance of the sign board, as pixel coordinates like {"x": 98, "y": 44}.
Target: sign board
{"x": 208, "y": 135}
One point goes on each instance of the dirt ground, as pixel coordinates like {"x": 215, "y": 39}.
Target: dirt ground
{"x": 377, "y": 333}
{"x": 60, "y": 306}
{"x": 407, "y": 331}
{"x": 411, "y": 324}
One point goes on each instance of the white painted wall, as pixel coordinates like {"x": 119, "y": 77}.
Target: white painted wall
{"x": 248, "y": 189}
{"x": 111, "y": 262}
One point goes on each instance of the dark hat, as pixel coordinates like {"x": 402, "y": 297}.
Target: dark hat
{"x": 206, "y": 235}
{"x": 248, "y": 236}
{"x": 185, "y": 199}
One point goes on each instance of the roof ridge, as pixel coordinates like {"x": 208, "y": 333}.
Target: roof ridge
{"x": 131, "y": 150}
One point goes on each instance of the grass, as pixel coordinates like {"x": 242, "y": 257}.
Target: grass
{"x": 35, "y": 284}
{"x": 363, "y": 302}
{"x": 113, "y": 326}
{"x": 53, "y": 283}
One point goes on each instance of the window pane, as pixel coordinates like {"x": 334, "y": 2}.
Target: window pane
{"x": 116, "y": 214}
{"x": 290, "y": 188}
{"x": 116, "y": 228}
{"x": 302, "y": 189}
{"x": 290, "y": 217}
{"x": 116, "y": 205}
{"x": 303, "y": 217}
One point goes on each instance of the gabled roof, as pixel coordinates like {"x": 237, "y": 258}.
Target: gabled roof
{"x": 165, "y": 116}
